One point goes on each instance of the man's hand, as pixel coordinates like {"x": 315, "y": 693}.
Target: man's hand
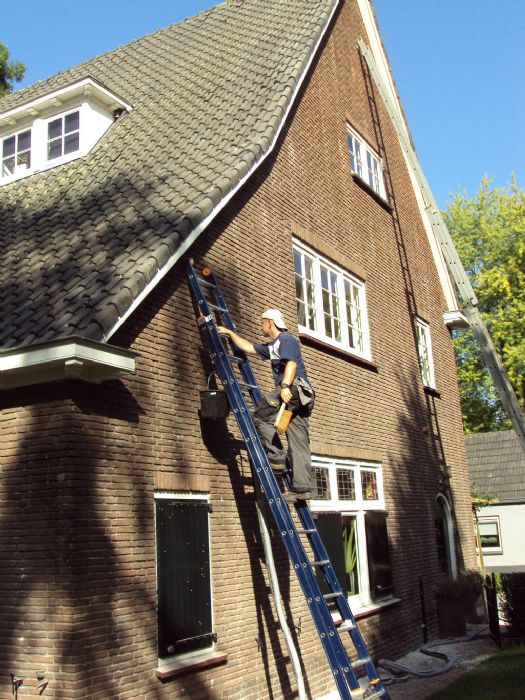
{"x": 241, "y": 343}
{"x": 286, "y": 395}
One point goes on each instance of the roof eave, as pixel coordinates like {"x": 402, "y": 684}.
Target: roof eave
{"x": 67, "y": 358}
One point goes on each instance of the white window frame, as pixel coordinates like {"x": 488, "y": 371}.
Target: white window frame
{"x": 357, "y": 508}
{"x": 365, "y": 162}
{"x": 18, "y": 170}
{"x": 491, "y": 520}
{"x": 424, "y": 349}
{"x": 181, "y": 496}
{"x": 349, "y": 316}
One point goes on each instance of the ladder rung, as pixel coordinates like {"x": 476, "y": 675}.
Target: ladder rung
{"x": 359, "y": 663}
{"x": 300, "y": 531}
{"x": 217, "y": 308}
{"x": 360, "y": 694}
{"x": 234, "y": 358}
{"x": 321, "y": 562}
{"x": 248, "y": 386}
{"x": 201, "y": 280}
{"x": 331, "y": 596}
{"x": 346, "y": 626}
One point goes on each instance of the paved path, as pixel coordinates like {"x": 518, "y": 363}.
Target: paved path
{"x": 465, "y": 655}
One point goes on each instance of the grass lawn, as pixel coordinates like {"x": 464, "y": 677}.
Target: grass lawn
{"x": 502, "y": 677}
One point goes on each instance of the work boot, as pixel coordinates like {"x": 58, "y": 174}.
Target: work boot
{"x": 299, "y": 497}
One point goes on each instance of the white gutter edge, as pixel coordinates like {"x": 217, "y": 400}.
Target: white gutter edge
{"x": 184, "y": 247}
{"x": 63, "y": 359}
{"x": 376, "y": 46}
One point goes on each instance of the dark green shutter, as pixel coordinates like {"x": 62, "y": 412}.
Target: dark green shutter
{"x": 379, "y": 568}
{"x": 329, "y": 526}
{"x": 183, "y": 576}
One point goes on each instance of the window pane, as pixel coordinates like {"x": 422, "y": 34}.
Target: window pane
{"x": 346, "y": 485}
{"x": 8, "y": 147}
{"x": 54, "y": 149}
{"x": 54, "y": 129}
{"x": 297, "y": 266}
{"x": 489, "y": 534}
{"x": 8, "y": 166}
{"x": 349, "y": 525}
{"x": 71, "y": 143}
{"x": 183, "y": 576}
{"x": 24, "y": 141}
{"x": 71, "y": 123}
{"x": 24, "y": 159}
{"x": 320, "y": 484}
{"x": 329, "y": 526}
{"x": 369, "y": 485}
{"x": 353, "y": 315}
{"x": 379, "y": 568}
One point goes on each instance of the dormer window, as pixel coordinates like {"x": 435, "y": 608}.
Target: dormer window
{"x": 55, "y": 128}
{"x": 63, "y": 135}
{"x": 16, "y": 153}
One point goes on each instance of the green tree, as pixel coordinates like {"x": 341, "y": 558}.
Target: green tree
{"x": 10, "y": 71}
{"x": 489, "y": 234}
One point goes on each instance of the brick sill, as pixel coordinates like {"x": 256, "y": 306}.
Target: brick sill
{"x": 196, "y": 662}
{"x": 363, "y": 184}
{"x": 432, "y": 392}
{"x": 346, "y": 354}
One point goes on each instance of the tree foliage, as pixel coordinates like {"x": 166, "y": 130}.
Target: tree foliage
{"x": 10, "y": 71}
{"x": 489, "y": 234}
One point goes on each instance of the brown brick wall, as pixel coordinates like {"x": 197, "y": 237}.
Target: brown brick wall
{"x": 81, "y": 462}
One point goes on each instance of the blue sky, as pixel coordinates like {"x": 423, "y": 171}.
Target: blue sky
{"x": 458, "y": 67}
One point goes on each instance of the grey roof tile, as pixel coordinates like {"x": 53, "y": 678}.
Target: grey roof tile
{"x": 497, "y": 464}
{"x": 208, "y": 95}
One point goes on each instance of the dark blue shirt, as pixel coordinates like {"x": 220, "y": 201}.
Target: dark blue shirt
{"x": 284, "y": 348}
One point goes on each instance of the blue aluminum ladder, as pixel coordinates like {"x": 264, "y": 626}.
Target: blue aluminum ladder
{"x": 211, "y": 310}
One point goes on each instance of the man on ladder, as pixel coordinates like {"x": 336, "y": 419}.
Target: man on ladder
{"x": 293, "y": 388}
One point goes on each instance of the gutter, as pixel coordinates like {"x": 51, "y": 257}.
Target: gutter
{"x": 67, "y": 358}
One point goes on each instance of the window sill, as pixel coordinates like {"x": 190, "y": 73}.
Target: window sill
{"x": 363, "y": 184}
{"x": 169, "y": 668}
{"x": 346, "y": 354}
{"x": 432, "y": 392}
{"x": 372, "y": 609}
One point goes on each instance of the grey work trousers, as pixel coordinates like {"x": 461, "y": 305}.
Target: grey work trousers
{"x": 297, "y": 435}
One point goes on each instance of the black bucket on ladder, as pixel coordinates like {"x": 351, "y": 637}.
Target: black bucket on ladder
{"x": 214, "y": 403}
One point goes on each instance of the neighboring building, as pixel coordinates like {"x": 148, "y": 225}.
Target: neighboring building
{"x": 497, "y": 471}
{"x": 249, "y": 136}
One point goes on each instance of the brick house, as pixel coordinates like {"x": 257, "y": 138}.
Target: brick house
{"x": 251, "y": 137}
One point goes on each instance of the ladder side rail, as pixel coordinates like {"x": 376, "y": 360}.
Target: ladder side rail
{"x": 320, "y": 553}
{"x": 501, "y": 381}
{"x": 244, "y": 366}
{"x": 334, "y": 649}
{"x": 455, "y": 266}
{"x": 447, "y": 245}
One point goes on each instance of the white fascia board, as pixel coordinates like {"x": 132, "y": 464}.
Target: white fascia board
{"x": 63, "y": 359}
{"x": 190, "y": 240}
{"x": 85, "y": 86}
{"x": 376, "y": 46}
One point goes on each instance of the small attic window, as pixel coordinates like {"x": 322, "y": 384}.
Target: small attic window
{"x": 56, "y": 128}
{"x": 63, "y": 135}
